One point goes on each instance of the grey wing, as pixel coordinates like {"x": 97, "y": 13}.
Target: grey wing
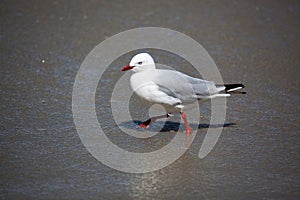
{"x": 201, "y": 87}
{"x": 175, "y": 85}
{"x": 184, "y": 87}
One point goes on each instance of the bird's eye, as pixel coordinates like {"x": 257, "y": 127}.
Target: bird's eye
{"x": 139, "y": 63}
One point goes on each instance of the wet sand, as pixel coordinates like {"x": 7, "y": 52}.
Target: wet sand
{"x": 42, "y": 47}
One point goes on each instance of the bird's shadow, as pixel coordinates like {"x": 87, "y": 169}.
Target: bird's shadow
{"x": 169, "y": 125}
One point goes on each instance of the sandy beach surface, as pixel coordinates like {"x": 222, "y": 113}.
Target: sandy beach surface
{"x": 43, "y": 44}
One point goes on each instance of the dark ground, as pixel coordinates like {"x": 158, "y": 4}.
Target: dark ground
{"x": 254, "y": 42}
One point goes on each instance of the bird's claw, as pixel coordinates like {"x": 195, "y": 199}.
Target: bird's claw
{"x": 146, "y": 124}
{"x": 188, "y": 131}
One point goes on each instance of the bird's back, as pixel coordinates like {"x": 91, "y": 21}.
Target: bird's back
{"x": 175, "y": 84}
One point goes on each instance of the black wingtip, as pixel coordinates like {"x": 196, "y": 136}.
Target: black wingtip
{"x": 237, "y": 92}
{"x": 232, "y": 88}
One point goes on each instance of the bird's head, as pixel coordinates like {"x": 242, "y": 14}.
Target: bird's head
{"x": 140, "y": 62}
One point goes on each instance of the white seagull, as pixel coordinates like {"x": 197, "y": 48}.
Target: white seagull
{"x": 171, "y": 88}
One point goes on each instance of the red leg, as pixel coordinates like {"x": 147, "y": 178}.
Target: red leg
{"x": 187, "y": 127}
{"x": 147, "y": 123}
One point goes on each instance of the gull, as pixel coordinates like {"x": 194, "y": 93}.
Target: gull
{"x": 172, "y": 89}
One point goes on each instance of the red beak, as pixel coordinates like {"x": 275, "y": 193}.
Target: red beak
{"x": 127, "y": 68}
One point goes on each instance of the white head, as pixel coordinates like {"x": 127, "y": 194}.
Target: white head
{"x": 140, "y": 62}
